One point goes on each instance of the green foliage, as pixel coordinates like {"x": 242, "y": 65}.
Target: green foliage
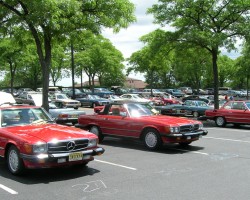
{"x": 209, "y": 24}
{"x": 97, "y": 57}
{"x": 50, "y": 20}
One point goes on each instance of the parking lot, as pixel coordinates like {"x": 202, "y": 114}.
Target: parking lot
{"x": 215, "y": 167}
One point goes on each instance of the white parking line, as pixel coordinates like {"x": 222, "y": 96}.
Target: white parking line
{"x": 233, "y": 130}
{"x": 232, "y": 140}
{"x": 8, "y": 189}
{"x": 115, "y": 164}
{"x": 196, "y": 152}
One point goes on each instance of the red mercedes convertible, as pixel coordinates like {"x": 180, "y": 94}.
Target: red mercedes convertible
{"x": 234, "y": 112}
{"x": 135, "y": 120}
{"x": 29, "y": 138}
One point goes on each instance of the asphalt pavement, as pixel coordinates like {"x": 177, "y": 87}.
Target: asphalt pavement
{"x": 214, "y": 168}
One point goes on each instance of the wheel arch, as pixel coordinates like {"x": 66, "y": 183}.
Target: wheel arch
{"x": 145, "y": 129}
{"x": 93, "y": 124}
{"x": 8, "y": 145}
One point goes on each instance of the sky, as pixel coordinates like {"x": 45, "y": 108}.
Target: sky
{"x": 127, "y": 40}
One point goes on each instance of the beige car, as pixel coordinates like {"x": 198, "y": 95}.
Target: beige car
{"x": 63, "y": 101}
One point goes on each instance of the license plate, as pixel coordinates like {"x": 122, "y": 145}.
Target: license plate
{"x": 75, "y": 156}
{"x": 189, "y": 137}
{"x": 74, "y": 116}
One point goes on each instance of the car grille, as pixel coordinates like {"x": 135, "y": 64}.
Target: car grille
{"x": 189, "y": 128}
{"x": 68, "y": 146}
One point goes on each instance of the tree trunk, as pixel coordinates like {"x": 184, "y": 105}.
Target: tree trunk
{"x": 93, "y": 83}
{"x": 45, "y": 61}
{"x": 73, "y": 69}
{"x": 216, "y": 78}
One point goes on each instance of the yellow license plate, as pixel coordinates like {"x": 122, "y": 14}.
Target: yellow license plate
{"x": 75, "y": 156}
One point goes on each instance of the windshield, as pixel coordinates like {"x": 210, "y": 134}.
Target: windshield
{"x": 137, "y": 110}
{"x": 201, "y": 103}
{"x": 248, "y": 104}
{"x": 62, "y": 96}
{"x": 23, "y": 116}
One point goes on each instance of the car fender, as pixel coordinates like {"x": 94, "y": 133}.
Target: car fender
{"x": 146, "y": 127}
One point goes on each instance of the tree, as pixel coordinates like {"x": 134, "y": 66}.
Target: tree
{"x": 188, "y": 68}
{"x": 151, "y": 59}
{"x": 50, "y": 19}
{"x": 60, "y": 62}
{"x": 226, "y": 69}
{"x": 10, "y": 53}
{"x": 210, "y": 24}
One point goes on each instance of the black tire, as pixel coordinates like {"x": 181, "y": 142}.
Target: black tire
{"x": 80, "y": 166}
{"x": 152, "y": 139}
{"x": 96, "y": 130}
{"x": 14, "y": 162}
{"x": 185, "y": 144}
{"x": 196, "y": 114}
{"x": 220, "y": 121}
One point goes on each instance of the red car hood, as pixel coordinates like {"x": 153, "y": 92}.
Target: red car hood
{"x": 169, "y": 120}
{"x": 48, "y": 132}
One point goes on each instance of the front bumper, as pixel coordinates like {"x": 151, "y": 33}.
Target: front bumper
{"x": 59, "y": 159}
{"x": 183, "y": 137}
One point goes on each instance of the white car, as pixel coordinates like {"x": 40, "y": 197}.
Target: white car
{"x": 63, "y": 101}
{"x": 135, "y": 98}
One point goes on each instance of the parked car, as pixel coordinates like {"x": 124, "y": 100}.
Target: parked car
{"x": 60, "y": 115}
{"x": 175, "y": 92}
{"x": 236, "y": 93}
{"x": 135, "y": 120}
{"x": 200, "y": 92}
{"x": 65, "y": 115}
{"x": 190, "y": 107}
{"x": 102, "y": 92}
{"x": 118, "y": 90}
{"x": 195, "y": 97}
{"x": 52, "y": 89}
{"x": 92, "y": 100}
{"x": 210, "y": 91}
{"x": 186, "y": 90}
{"x": 172, "y": 110}
{"x": 196, "y": 108}
{"x": 78, "y": 93}
{"x": 169, "y": 99}
{"x": 63, "y": 101}
{"x": 29, "y": 138}
{"x": 116, "y": 98}
{"x": 135, "y": 98}
{"x": 234, "y": 112}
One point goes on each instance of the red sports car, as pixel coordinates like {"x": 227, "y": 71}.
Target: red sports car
{"x": 235, "y": 112}
{"x": 29, "y": 138}
{"x": 138, "y": 121}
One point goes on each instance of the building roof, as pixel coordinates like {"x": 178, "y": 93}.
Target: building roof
{"x": 130, "y": 83}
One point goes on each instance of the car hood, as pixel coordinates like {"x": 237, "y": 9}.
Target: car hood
{"x": 48, "y": 132}
{"x": 167, "y": 120}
